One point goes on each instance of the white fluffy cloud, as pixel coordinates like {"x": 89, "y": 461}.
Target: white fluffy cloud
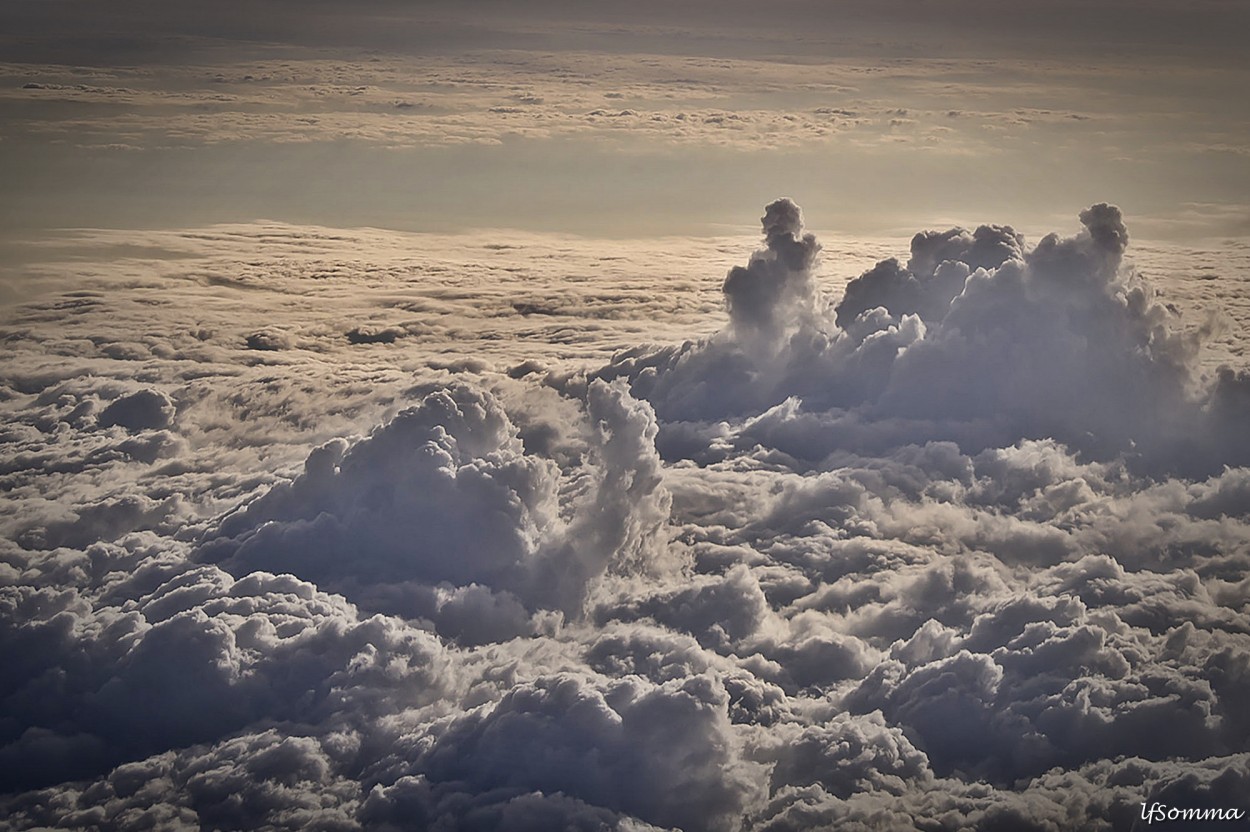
{"x": 975, "y": 340}
{"x": 446, "y": 493}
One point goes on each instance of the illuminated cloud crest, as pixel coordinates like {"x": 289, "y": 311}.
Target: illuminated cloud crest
{"x": 977, "y": 340}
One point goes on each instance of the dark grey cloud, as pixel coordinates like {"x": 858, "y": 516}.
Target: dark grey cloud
{"x": 660, "y": 753}
{"x": 144, "y": 410}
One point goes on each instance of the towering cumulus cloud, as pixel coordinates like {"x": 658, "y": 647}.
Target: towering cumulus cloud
{"x": 445, "y": 495}
{"x": 774, "y": 294}
{"x": 964, "y": 548}
{"x": 976, "y": 340}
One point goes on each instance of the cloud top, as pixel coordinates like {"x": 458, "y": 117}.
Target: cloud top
{"x": 978, "y": 339}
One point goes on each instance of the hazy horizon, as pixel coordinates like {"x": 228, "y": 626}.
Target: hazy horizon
{"x": 657, "y": 119}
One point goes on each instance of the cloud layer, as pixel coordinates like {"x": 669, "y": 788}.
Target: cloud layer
{"x": 963, "y": 545}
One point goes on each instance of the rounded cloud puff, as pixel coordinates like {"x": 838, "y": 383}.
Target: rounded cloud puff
{"x": 446, "y": 494}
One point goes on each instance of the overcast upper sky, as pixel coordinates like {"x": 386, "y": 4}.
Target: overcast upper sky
{"x": 623, "y": 120}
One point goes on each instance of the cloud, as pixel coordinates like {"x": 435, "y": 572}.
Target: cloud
{"x": 174, "y": 654}
{"x": 660, "y": 753}
{"x": 774, "y": 292}
{"x": 963, "y": 545}
{"x": 144, "y": 410}
{"x": 1100, "y": 796}
{"x": 447, "y": 494}
{"x": 497, "y": 94}
{"x": 977, "y": 341}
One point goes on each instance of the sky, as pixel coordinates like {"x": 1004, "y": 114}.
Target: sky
{"x": 623, "y": 121}
{"x": 717, "y": 417}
